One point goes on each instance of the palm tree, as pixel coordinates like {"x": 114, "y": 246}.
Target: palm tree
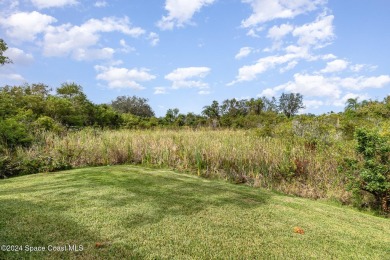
{"x": 352, "y": 104}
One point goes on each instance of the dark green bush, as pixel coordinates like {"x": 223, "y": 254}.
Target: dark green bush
{"x": 13, "y": 133}
{"x": 371, "y": 173}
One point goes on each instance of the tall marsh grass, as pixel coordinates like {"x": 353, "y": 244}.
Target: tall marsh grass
{"x": 283, "y": 164}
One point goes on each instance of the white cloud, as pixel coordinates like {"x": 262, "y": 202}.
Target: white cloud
{"x": 24, "y": 26}
{"x": 312, "y": 104}
{"x": 53, "y": 3}
{"x": 204, "y": 92}
{"x": 312, "y": 86}
{"x": 329, "y": 56}
{"x": 243, "y": 52}
{"x": 180, "y": 12}
{"x": 18, "y": 56}
{"x": 78, "y": 41}
{"x": 154, "y": 38}
{"x": 93, "y": 54}
{"x": 125, "y": 48}
{"x": 250, "y": 72}
{"x": 330, "y": 87}
{"x": 253, "y": 32}
{"x": 100, "y": 4}
{"x": 360, "y": 67}
{"x": 12, "y": 3}
{"x": 268, "y": 92}
{"x": 357, "y": 67}
{"x": 160, "y": 90}
{"x": 189, "y": 77}
{"x": 268, "y": 10}
{"x": 289, "y": 66}
{"x": 278, "y": 32}
{"x": 318, "y": 33}
{"x": 71, "y": 40}
{"x": 13, "y": 77}
{"x": 343, "y": 100}
{"x": 335, "y": 66}
{"x": 123, "y": 77}
{"x": 359, "y": 83}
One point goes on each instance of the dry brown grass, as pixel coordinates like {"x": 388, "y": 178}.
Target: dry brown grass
{"x": 281, "y": 164}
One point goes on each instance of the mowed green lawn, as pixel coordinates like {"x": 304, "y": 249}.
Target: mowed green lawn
{"x": 140, "y": 213}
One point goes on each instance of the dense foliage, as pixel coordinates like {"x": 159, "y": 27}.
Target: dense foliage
{"x": 34, "y": 121}
{"x": 372, "y": 173}
{"x": 3, "y": 48}
{"x": 133, "y": 105}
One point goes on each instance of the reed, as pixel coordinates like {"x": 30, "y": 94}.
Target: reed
{"x": 283, "y": 164}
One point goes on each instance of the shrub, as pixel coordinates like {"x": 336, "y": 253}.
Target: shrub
{"x": 372, "y": 172}
{"x": 13, "y": 133}
{"x": 47, "y": 123}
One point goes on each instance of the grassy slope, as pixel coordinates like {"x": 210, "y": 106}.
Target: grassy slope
{"x": 142, "y": 213}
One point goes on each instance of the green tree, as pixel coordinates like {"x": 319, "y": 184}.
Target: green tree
{"x": 269, "y": 105}
{"x": 372, "y": 173}
{"x": 81, "y": 112}
{"x": 171, "y": 115}
{"x": 289, "y": 104}
{"x": 213, "y": 113}
{"x": 13, "y": 133}
{"x": 106, "y": 116}
{"x": 133, "y": 105}
{"x": 255, "y": 106}
{"x": 351, "y": 104}
{"x": 234, "y": 107}
{"x": 3, "y": 48}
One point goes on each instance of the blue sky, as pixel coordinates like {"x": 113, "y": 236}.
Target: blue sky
{"x": 186, "y": 53}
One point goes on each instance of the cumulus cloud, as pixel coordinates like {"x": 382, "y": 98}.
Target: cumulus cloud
{"x": 312, "y": 86}
{"x": 335, "y": 66}
{"x": 41, "y": 4}
{"x": 125, "y": 48}
{"x": 154, "y": 38}
{"x": 100, "y": 4}
{"x": 343, "y": 100}
{"x": 93, "y": 54}
{"x": 180, "y": 12}
{"x": 189, "y": 77}
{"x": 250, "y": 72}
{"x": 25, "y": 26}
{"x": 278, "y": 32}
{"x": 11, "y": 77}
{"x": 329, "y": 56}
{"x": 72, "y": 40}
{"x": 328, "y": 87}
{"x": 18, "y": 56}
{"x": 204, "y": 92}
{"x": 243, "y": 52}
{"x": 318, "y": 33}
{"x": 78, "y": 41}
{"x": 268, "y": 92}
{"x": 254, "y": 32}
{"x": 360, "y": 67}
{"x": 160, "y": 90}
{"x": 123, "y": 77}
{"x": 312, "y": 104}
{"x": 289, "y": 66}
{"x": 361, "y": 82}
{"x": 268, "y": 10}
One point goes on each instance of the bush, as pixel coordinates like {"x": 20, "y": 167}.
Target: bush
{"x": 48, "y": 124}
{"x": 372, "y": 172}
{"x": 7, "y": 167}
{"x": 13, "y": 133}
